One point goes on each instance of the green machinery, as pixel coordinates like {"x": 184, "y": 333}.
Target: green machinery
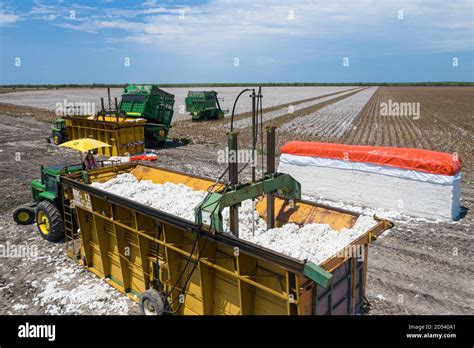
{"x": 154, "y": 105}
{"x": 138, "y": 101}
{"x": 272, "y": 185}
{"x": 203, "y": 105}
{"x": 47, "y": 204}
{"x": 59, "y": 132}
{"x": 210, "y": 210}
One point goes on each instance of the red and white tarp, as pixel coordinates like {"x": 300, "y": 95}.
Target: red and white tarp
{"x": 412, "y": 181}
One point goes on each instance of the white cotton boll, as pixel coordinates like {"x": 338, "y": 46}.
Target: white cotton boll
{"x": 176, "y": 199}
{"x": 313, "y": 242}
{"x": 333, "y": 120}
{"x": 267, "y": 116}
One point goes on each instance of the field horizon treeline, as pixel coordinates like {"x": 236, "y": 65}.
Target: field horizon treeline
{"x": 243, "y": 84}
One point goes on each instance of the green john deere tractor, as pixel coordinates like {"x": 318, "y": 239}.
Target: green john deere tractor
{"x": 204, "y": 105}
{"x": 47, "y": 205}
{"x": 58, "y": 133}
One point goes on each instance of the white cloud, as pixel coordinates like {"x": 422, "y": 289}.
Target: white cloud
{"x": 87, "y": 27}
{"x": 42, "y": 9}
{"x": 8, "y": 18}
{"x": 50, "y": 17}
{"x": 150, "y": 3}
{"x": 225, "y": 26}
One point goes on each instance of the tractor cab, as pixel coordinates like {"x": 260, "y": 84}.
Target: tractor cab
{"x": 48, "y": 187}
{"x": 46, "y": 207}
{"x": 59, "y": 124}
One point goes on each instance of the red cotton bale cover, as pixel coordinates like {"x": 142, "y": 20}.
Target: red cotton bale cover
{"x": 407, "y": 158}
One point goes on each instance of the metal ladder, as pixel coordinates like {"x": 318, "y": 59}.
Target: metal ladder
{"x": 72, "y": 243}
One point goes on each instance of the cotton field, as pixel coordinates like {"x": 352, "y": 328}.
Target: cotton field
{"x": 47, "y": 99}
{"x": 318, "y": 114}
{"x": 267, "y": 116}
{"x": 334, "y": 120}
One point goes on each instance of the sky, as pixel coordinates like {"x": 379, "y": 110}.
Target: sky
{"x": 117, "y": 41}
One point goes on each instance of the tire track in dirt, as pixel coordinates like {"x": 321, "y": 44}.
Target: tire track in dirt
{"x": 394, "y": 134}
{"x": 404, "y": 280}
{"x": 366, "y": 126}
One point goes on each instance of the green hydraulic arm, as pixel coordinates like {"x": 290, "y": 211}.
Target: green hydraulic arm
{"x": 210, "y": 210}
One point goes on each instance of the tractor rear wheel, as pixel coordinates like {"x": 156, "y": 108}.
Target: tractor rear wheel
{"x": 57, "y": 138}
{"x": 24, "y": 216}
{"x": 49, "y": 221}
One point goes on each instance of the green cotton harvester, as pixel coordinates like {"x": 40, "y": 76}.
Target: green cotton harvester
{"x": 154, "y": 105}
{"x": 204, "y": 105}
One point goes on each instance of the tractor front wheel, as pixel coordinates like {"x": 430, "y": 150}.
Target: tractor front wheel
{"x": 49, "y": 221}
{"x": 24, "y": 216}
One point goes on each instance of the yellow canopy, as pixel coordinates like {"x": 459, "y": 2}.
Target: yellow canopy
{"x": 84, "y": 144}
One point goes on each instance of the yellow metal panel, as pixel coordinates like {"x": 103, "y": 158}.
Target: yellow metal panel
{"x": 223, "y": 282}
{"x": 303, "y": 213}
{"x": 194, "y": 287}
{"x": 189, "y": 311}
{"x": 160, "y": 176}
{"x": 96, "y": 259}
{"x": 192, "y": 304}
{"x": 247, "y": 266}
{"x": 124, "y": 137}
{"x": 266, "y": 304}
{"x": 226, "y": 295}
{"x": 118, "y": 119}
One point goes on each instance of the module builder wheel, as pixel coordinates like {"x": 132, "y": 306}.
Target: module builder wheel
{"x": 152, "y": 303}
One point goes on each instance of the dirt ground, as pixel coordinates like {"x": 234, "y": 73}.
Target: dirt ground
{"x": 416, "y": 268}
